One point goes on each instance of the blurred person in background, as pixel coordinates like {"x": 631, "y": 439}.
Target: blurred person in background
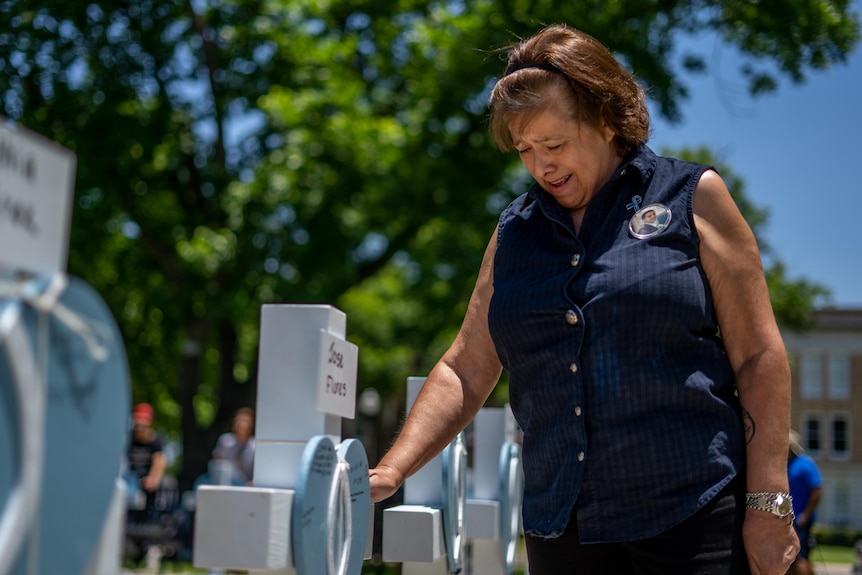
{"x": 237, "y": 446}
{"x": 806, "y": 488}
{"x": 146, "y": 459}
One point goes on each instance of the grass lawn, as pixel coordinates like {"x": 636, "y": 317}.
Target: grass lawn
{"x": 832, "y": 554}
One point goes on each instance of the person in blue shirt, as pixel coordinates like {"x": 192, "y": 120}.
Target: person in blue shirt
{"x": 806, "y": 488}
{"x": 646, "y": 371}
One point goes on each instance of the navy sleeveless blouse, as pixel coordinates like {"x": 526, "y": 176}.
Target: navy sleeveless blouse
{"x": 617, "y": 374}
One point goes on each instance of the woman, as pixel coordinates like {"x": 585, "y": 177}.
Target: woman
{"x": 237, "y": 446}
{"x": 646, "y": 432}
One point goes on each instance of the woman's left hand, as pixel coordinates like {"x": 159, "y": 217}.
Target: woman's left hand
{"x": 770, "y": 543}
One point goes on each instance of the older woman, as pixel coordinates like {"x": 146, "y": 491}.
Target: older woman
{"x": 646, "y": 369}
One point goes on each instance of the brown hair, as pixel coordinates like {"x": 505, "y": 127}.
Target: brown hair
{"x": 561, "y": 60}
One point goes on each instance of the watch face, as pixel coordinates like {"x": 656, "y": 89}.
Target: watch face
{"x": 783, "y": 505}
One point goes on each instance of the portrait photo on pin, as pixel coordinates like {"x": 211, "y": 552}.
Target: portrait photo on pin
{"x": 649, "y": 221}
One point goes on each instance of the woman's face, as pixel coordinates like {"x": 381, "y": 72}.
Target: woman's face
{"x": 242, "y": 427}
{"x": 571, "y": 160}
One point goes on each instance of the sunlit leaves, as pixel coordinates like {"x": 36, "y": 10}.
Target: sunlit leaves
{"x": 208, "y": 250}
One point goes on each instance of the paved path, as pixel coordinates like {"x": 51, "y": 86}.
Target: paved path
{"x": 819, "y": 569}
{"x": 832, "y": 569}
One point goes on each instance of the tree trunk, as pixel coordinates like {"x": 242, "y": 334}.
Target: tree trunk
{"x": 195, "y": 455}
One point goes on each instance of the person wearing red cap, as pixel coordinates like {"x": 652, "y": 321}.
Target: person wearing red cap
{"x": 145, "y": 457}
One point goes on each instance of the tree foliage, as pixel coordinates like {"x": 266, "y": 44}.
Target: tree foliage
{"x": 238, "y": 152}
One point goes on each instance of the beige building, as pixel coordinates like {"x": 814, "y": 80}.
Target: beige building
{"x": 826, "y": 368}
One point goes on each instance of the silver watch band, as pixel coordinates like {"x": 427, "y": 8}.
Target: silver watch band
{"x": 777, "y": 503}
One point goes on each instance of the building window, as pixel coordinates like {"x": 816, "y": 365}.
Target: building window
{"x": 811, "y": 434}
{"x": 841, "y": 516}
{"x": 812, "y": 386}
{"x": 840, "y": 436}
{"x": 839, "y": 376}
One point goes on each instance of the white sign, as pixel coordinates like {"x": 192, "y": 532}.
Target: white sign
{"x": 37, "y": 179}
{"x": 336, "y": 387}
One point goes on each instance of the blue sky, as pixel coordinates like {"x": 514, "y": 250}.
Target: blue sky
{"x": 799, "y": 152}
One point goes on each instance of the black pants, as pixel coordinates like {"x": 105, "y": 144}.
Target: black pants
{"x": 708, "y": 543}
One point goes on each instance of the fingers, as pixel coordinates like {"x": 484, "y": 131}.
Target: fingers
{"x": 382, "y": 485}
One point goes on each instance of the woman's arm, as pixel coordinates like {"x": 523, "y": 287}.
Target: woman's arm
{"x": 453, "y": 393}
{"x": 733, "y": 267}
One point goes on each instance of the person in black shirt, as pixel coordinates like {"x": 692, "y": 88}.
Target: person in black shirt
{"x": 145, "y": 457}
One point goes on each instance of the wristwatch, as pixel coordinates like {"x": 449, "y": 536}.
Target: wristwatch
{"x": 779, "y": 504}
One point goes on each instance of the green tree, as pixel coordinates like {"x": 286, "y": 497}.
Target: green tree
{"x": 238, "y": 152}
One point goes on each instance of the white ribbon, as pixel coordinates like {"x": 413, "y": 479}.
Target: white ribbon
{"x": 339, "y": 500}
{"x": 48, "y": 301}
{"x": 454, "y": 501}
{"x": 22, "y": 506}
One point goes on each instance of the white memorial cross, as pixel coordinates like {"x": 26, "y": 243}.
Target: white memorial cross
{"x": 37, "y": 179}
{"x": 309, "y": 511}
{"x": 41, "y": 525}
{"x": 493, "y": 514}
{"x": 425, "y": 533}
